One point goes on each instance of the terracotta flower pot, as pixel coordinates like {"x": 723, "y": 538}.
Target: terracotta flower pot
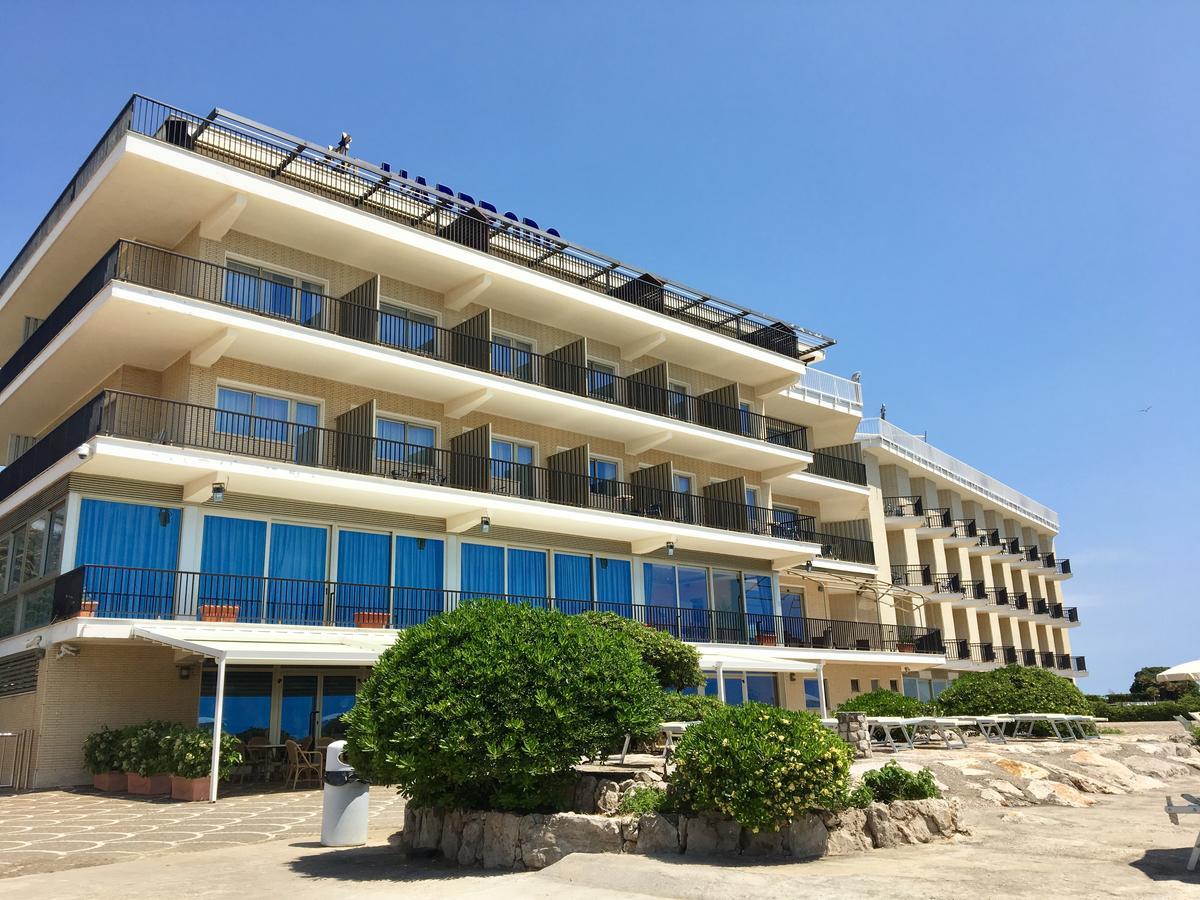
{"x": 87, "y": 609}
{"x": 905, "y": 648}
{"x": 148, "y": 784}
{"x": 191, "y": 789}
{"x": 214, "y": 612}
{"x": 109, "y": 781}
{"x": 765, "y": 640}
{"x": 370, "y": 620}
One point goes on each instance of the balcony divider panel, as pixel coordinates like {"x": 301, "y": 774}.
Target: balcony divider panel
{"x": 645, "y": 291}
{"x": 719, "y": 408}
{"x": 469, "y": 229}
{"x": 725, "y": 504}
{"x": 566, "y": 368}
{"x": 356, "y": 439}
{"x": 648, "y": 390}
{"x": 569, "y": 475}
{"x": 470, "y": 342}
{"x": 469, "y": 453}
{"x": 653, "y": 492}
{"x": 358, "y": 312}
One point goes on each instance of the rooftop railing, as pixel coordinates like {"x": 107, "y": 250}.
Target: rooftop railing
{"x": 256, "y": 148}
{"x": 173, "y": 423}
{"x": 132, "y": 593}
{"x": 832, "y": 390}
{"x": 171, "y": 272}
{"x": 903, "y": 506}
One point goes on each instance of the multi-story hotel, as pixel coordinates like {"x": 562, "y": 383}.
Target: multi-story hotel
{"x": 265, "y": 403}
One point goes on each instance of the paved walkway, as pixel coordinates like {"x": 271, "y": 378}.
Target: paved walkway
{"x": 54, "y": 830}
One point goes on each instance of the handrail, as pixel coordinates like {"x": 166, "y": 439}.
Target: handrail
{"x": 165, "y": 270}
{"x": 964, "y": 528}
{"x": 831, "y": 466}
{"x": 938, "y": 517}
{"x": 989, "y": 538}
{"x": 912, "y": 576}
{"x": 903, "y": 506}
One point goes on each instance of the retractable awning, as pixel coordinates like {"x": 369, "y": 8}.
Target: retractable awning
{"x": 756, "y": 663}
{"x": 1188, "y": 671}
{"x": 259, "y": 646}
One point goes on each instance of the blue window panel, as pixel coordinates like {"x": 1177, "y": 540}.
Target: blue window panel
{"x": 311, "y": 303}
{"x": 527, "y": 575}
{"x": 482, "y": 572}
{"x": 142, "y": 539}
{"x": 298, "y": 707}
{"x": 572, "y": 582}
{"x": 238, "y": 407}
{"x": 241, "y": 285}
{"x": 277, "y": 295}
{"x": 614, "y": 586}
{"x": 662, "y": 603}
{"x": 296, "y": 592}
{"x": 419, "y": 580}
{"x": 307, "y": 417}
{"x": 231, "y": 558}
{"x": 694, "y": 623}
{"x": 364, "y": 574}
{"x": 760, "y": 611}
{"x": 795, "y": 627}
{"x": 812, "y": 694}
{"x": 271, "y": 418}
{"x": 734, "y": 690}
{"x": 246, "y": 711}
{"x": 710, "y": 687}
{"x": 762, "y": 689}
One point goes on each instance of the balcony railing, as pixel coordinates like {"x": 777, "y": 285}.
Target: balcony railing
{"x": 130, "y": 593}
{"x": 947, "y": 583}
{"x": 938, "y": 518}
{"x": 973, "y": 590}
{"x": 1010, "y": 546}
{"x": 912, "y": 576}
{"x": 163, "y": 270}
{"x": 1009, "y": 655}
{"x": 1039, "y": 606}
{"x": 1055, "y": 610}
{"x": 903, "y": 506}
{"x": 1048, "y": 659}
{"x": 1019, "y": 600}
{"x": 1029, "y": 658}
{"x": 1031, "y": 554}
{"x": 1062, "y": 566}
{"x": 1064, "y": 660}
{"x": 1080, "y": 664}
{"x": 983, "y": 653}
{"x": 247, "y": 145}
{"x": 172, "y": 423}
{"x": 1071, "y": 613}
{"x": 1048, "y": 561}
{"x": 965, "y": 528}
{"x": 996, "y": 596}
{"x": 989, "y": 538}
{"x": 830, "y": 466}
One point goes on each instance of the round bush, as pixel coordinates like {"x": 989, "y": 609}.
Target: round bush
{"x": 675, "y": 664}
{"x": 102, "y": 749}
{"x": 190, "y": 752}
{"x": 892, "y": 783}
{"x": 146, "y": 748}
{"x": 883, "y": 702}
{"x": 688, "y": 707}
{"x": 491, "y": 705}
{"x": 1013, "y": 689}
{"x": 761, "y": 766}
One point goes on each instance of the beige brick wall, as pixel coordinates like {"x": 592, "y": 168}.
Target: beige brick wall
{"x": 18, "y": 711}
{"x": 114, "y": 684}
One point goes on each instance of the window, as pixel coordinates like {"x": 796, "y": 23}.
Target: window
{"x": 874, "y": 684}
{"x": 265, "y": 416}
{"x": 512, "y": 356}
{"x": 614, "y": 585}
{"x": 35, "y": 548}
{"x": 747, "y": 417}
{"x": 407, "y": 328}
{"x": 751, "y": 496}
{"x": 573, "y": 582}
{"x": 512, "y": 471}
{"x": 854, "y": 686}
{"x": 683, "y": 483}
{"x": 677, "y": 400}
{"x": 741, "y": 687}
{"x": 246, "y": 711}
{"x": 488, "y": 570}
{"x": 601, "y": 380}
{"x": 894, "y": 685}
{"x": 137, "y": 547}
{"x": 398, "y": 441}
{"x": 812, "y": 693}
{"x": 274, "y": 293}
{"x": 603, "y": 478}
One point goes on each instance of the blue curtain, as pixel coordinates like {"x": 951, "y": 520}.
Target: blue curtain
{"x": 296, "y": 592}
{"x": 364, "y": 573}
{"x": 693, "y": 604}
{"x": 573, "y": 582}
{"x": 419, "y": 569}
{"x": 482, "y": 571}
{"x": 662, "y": 601}
{"x": 527, "y": 576}
{"x": 231, "y": 558}
{"x": 139, "y": 538}
{"x": 614, "y": 586}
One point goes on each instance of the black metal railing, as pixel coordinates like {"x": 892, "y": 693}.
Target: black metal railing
{"x": 123, "y": 593}
{"x": 989, "y": 538}
{"x": 1062, "y": 566}
{"x": 1039, "y": 606}
{"x": 938, "y": 518}
{"x": 1047, "y": 659}
{"x": 903, "y": 506}
{"x": 1029, "y": 658}
{"x": 983, "y": 653}
{"x": 1064, "y": 660}
{"x": 1019, "y": 600}
{"x": 947, "y": 583}
{"x": 1055, "y": 610}
{"x": 1009, "y": 655}
{"x": 173, "y": 423}
{"x": 1010, "y": 546}
{"x": 912, "y": 576}
{"x": 1080, "y": 664}
{"x": 1048, "y": 561}
{"x": 958, "y": 649}
{"x": 437, "y": 211}
{"x": 973, "y": 590}
{"x": 830, "y": 466}
{"x": 171, "y": 272}
{"x": 965, "y": 528}
{"x": 1031, "y": 554}
{"x": 1071, "y": 613}
{"x": 996, "y": 596}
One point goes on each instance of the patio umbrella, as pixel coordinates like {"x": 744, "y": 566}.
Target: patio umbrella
{"x": 1188, "y": 671}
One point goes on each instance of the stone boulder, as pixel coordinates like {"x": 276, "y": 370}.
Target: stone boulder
{"x": 1155, "y": 767}
{"x": 1109, "y": 770}
{"x": 706, "y": 835}
{"x": 547, "y": 839}
{"x": 1055, "y": 793}
{"x": 501, "y": 840}
{"x": 912, "y": 822}
{"x": 808, "y": 837}
{"x": 658, "y": 835}
{"x": 848, "y": 832}
{"x": 1020, "y": 769}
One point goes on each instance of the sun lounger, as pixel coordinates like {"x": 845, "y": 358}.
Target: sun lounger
{"x": 1059, "y": 723}
{"x": 886, "y": 726}
{"x": 1193, "y": 806}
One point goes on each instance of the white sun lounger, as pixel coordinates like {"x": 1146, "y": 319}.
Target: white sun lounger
{"x": 1059, "y": 723}
{"x": 1174, "y": 812}
{"x": 990, "y": 727}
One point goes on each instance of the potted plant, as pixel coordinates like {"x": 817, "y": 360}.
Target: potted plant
{"x": 370, "y": 620}
{"x": 191, "y": 761}
{"x": 102, "y": 756}
{"x": 87, "y": 609}
{"x": 218, "y": 612}
{"x": 765, "y": 639}
{"x": 905, "y": 647}
{"x": 146, "y": 758}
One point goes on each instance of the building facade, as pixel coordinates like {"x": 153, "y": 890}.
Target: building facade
{"x": 265, "y": 404}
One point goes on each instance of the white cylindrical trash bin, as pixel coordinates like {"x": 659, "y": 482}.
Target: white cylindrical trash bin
{"x": 344, "y": 807}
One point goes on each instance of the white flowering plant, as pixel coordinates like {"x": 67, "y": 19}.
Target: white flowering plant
{"x": 191, "y": 753}
{"x": 761, "y": 766}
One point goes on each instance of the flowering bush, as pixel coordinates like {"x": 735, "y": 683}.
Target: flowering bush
{"x": 190, "y": 751}
{"x": 688, "y": 707}
{"x": 675, "y": 664}
{"x": 761, "y": 766}
{"x": 146, "y": 749}
{"x": 102, "y": 749}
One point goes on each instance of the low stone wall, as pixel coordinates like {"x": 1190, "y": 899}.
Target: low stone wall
{"x": 496, "y": 840}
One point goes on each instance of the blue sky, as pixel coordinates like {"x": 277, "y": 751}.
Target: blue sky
{"x": 992, "y": 206}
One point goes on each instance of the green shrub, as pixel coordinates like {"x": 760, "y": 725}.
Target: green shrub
{"x": 892, "y": 783}
{"x": 491, "y": 705}
{"x": 1196, "y": 735}
{"x": 860, "y": 796}
{"x": 1163, "y": 711}
{"x": 102, "y": 749}
{"x": 1012, "y": 689}
{"x": 882, "y": 702}
{"x": 146, "y": 749}
{"x": 674, "y": 663}
{"x": 190, "y": 751}
{"x": 761, "y": 765}
{"x": 688, "y": 707}
{"x": 638, "y": 801}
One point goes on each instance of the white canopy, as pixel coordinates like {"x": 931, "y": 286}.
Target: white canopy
{"x": 755, "y": 663}
{"x": 266, "y": 646}
{"x": 1188, "y": 671}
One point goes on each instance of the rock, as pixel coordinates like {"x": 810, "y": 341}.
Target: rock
{"x": 547, "y": 839}
{"x": 847, "y": 832}
{"x": 1021, "y": 769}
{"x": 987, "y": 795}
{"x": 657, "y": 834}
{"x": 625, "y": 785}
{"x": 501, "y": 840}
{"x": 1155, "y": 767}
{"x": 608, "y": 797}
{"x": 912, "y": 822}
{"x": 808, "y": 837}
{"x": 1082, "y": 782}
{"x": 1109, "y": 770}
{"x": 1007, "y": 789}
{"x": 470, "y": 848}
{"x": 452, "y": 826}
{"x": 708, "y": 834}
{"x": 629, "y": 829}
{"x": 1055, "y": 793}
{"x": 584, "y": 800}
{"x": 762, "y": 843}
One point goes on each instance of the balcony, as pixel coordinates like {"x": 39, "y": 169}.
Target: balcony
{"x": 1064, "y": 660}
{"x": 171, "y": 424}
{"x": 1010, "y": 551}
{"x": 467, "y": 347}
{"x": 1069, "y": 614}
{"x": 997, "y": 597}
{"x": 912, "y": 576}
{"x": 438, "y": 212}
{"x": 829, "y": 466}
{"x": 947, "y": 585}
{"x": 1010, "y": 656}
{"x": 938, "y": 523}
{"x": 1061, "y": 570}
{"x": 987, "y": 542}
{"x": 1019, "y": 600}
{"x": 973, "y": 590}
{"x": 1038, "y": 606}
{"x": 110, "y": 592}
{"x": 1081, "y": 664}
{"x": 1048, "y": 659}
{"x": 1029, "y": 658}
{"x": 903, "y": 512}
{"x": 1026, "y": 557}
{"x": 962, "y": 650}
{"x": 963, "y": 534}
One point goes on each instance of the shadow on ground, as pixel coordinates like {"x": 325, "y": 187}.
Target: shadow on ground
{"x": 1167, "y": 865}
{"x": 362, "y": 864}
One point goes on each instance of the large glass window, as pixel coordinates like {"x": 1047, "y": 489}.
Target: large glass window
{"x": 54, "y": 543}
{"x": 232, "y": 552}
{"x": 603, "y": 480}
{"x": 298, "y": 708}
{"x": 246, "y": 711}
{"x": 602, "y": 380}
{"x": 264, "y": 416}
{"x": 512, "y": 356}
{"x": 527, "y": 573}
{"x": 274, "y": 293}
{"x": 296, "y": 591}
{"x": 364, "y": 575}
{"x": 419, "y": 579}
{"x": 573, "y": 582}
{"x": 512, "y": 471}
{"x": 404, "y": 442}
{"x": 337, "y": 697}
{"x": 407, "y": 328}
{"x": 144, "y": 541}
{"x": 614, "y": 585}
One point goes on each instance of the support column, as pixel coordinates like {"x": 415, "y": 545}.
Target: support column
{"x": 218, "y": 711}
{"x": 821, "y": 689}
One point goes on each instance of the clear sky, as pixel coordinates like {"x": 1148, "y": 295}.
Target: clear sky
{"x": 992, "y": 206}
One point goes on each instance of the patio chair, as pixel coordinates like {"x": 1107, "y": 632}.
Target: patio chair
{"x": 1193, "y": 806}
{"x": 302, "y": 764}
{"x": 258, "y": 756}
